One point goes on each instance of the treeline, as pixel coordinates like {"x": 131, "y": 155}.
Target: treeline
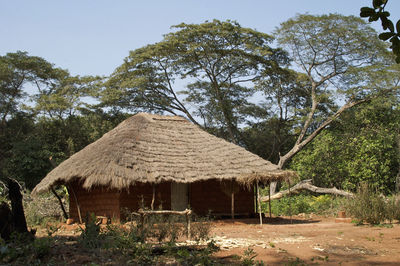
{"x": 324, "y": 101}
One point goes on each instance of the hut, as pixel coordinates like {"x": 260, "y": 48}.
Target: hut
{"x": 160, "y": 162}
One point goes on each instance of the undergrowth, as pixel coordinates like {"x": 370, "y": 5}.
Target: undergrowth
{"x": 369, "y": 206}
{"x": 151, "y": 242}
{"x": 22, "y": 250}
{"x": 304, "y": 203}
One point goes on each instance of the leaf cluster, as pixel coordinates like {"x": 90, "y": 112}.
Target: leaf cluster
{"x": 392, "y": 32}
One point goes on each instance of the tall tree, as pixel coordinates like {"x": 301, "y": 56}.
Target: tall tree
{"x": 214, "y": 61}
{"x": 16, "y": 71}
{"x": 360, "y": 146}
{"x": 333, "y": 52}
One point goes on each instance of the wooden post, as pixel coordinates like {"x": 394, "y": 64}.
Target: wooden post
{"x": 153, "y": 198}
{"x": 290, "y": 204}
{"x": 269, "y": 201}
{"x": 60, "y": 202}
{"x": 77, "y": 204}
{"x": 259, "y": 205}
{"x": 232, "y": 201}
{"x": 188, "y": 223}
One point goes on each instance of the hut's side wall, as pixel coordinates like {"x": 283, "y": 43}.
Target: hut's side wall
{"x": 100, "y": 200}
{"x": 141, "y": 194}
{"x": 209, "y": 196}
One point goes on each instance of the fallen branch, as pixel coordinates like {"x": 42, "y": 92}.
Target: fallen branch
{"x": 306, "y": 185}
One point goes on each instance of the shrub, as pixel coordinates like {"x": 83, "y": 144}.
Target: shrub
{"x": 200, "y": 228}
{"x": 90, "y": 235}
{"x": 193, "y": 256}
{"x": 367, "y": 206}
{"x": 393, "y": 208}
{"x": 41, "y": 209}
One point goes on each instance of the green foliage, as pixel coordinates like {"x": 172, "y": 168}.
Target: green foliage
{"x": 195, "y": 256}
{"x": 248, "y": 258}
{"x": 392, "y": 33}
{"x": 302, "y": 203}
{"x": 214, "y": 60}
{"x": 149, "y": 242}
{"x": 336, "y": 55}
{"x": 360, "y": 147}
{"x": 20, "y": 250}
{"x": 90, "y": 236}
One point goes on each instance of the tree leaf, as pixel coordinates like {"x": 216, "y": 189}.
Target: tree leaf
{"x": 390, "y": 26}
{"x": 377, "y": 3}
{"x": 398, "y": 26}
{"x": 374, "y": 17}
{"x": 386, "y": 35}
{"x": 366, "y": 12}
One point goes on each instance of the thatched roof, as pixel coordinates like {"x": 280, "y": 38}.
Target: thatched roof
{"x": 154, "y": 148}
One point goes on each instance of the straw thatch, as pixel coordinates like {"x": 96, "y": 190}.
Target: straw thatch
{"x": 154, "y": 148}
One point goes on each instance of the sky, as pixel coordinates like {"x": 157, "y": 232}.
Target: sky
{"x": 92, "y": 37}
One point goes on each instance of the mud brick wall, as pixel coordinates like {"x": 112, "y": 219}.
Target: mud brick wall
{"x": 99, "y": 200}
{"x": 205, "y": 196}
{"x": 208, "y": 196}
{"x": 141, "y": 194}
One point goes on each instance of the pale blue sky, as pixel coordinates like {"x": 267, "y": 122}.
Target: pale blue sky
{"x": 93, "y": 37}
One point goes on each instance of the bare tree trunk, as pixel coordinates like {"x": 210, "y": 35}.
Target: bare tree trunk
{"x": 302, "y": 140}
{"x": 306, "y": 185}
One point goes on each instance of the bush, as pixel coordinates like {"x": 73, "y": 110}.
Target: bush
{"x": 393, "y": 208}
{"x": 90, "y": 235}
{"x": 303, "y": 203}
{"x": 367, "y": 206}
{"x": 150, "y": 242}
{"x": 41, "y": 209}
{"x": 200, "y": 228}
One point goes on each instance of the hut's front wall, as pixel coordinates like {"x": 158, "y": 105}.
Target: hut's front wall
{"x": 99, "y": 200}
{"x": 140, "y": 195}
{"x": 213, "y": 196}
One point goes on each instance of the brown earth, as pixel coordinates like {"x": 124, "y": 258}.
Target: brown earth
{"x": 310, "y": 241}
{"x": 281, "y": 241}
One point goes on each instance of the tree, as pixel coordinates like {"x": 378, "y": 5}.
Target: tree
{"x": 16, "y": 71}
{"x": 215, "y": 60}
{"x": 358, "y": 147}
{"x": 39, "y": 104}
{"x": 378, "y": 12}
{"x": 332, "y": 51}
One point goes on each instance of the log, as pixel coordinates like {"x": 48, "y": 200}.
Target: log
{"x": 185, "y": 212}
{"x": 306, "y": 185}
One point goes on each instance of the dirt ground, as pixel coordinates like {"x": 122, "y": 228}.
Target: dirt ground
{"x": 312, "y": 241}
{"x": 281, "y": 241}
